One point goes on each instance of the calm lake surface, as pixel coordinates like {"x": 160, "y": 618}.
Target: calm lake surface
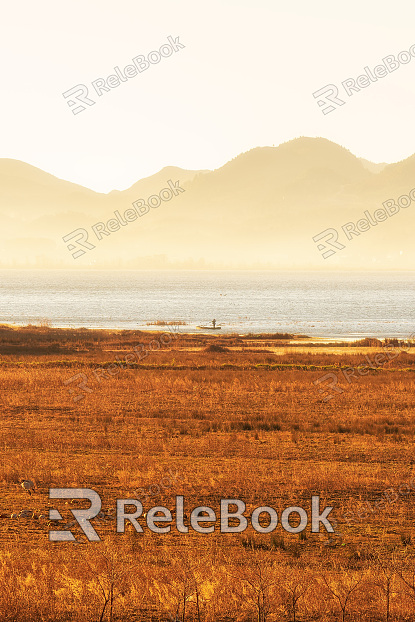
{"x": 343, "y": 304}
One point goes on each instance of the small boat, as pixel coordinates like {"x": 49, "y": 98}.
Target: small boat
{"x": 210, "y": 327}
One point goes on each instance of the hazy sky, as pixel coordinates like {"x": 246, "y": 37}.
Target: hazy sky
{"x": 244, "y": 79}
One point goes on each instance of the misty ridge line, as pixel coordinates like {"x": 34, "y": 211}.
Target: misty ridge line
{"x": 286, "y": 183}
{"x": 79, "y": 238}
{"x": 78, "y": 96}
{"x": 367, "y": 164}
{"x": 331, "y": 236}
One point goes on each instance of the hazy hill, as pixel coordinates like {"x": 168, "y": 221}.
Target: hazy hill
{"x": 372, "y": 166}
{"x": 263, "y": 206}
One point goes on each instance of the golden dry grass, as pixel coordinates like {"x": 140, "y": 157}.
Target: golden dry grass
{"x": 246, "y": 422}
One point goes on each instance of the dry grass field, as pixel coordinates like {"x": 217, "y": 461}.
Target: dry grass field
{"x": 206, "y": 417}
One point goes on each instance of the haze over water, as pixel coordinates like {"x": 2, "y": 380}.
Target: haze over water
{"x": 318, "y": 304}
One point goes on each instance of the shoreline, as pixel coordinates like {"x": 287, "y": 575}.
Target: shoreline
{"x": 280, "y": 339}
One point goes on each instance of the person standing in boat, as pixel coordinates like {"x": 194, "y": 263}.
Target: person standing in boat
{"x": 214, "y": 323}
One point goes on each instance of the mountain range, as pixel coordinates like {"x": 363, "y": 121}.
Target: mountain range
{"x": 259, "y": 210}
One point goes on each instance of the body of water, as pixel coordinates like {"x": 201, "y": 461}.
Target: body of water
{"x": 342, "y": 304}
